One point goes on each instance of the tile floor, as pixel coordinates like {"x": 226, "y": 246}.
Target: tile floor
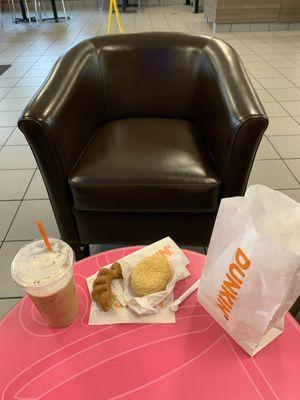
{"x": 271, "y": 58}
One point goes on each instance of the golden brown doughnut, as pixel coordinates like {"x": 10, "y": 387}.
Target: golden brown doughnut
{"x": 101, "y": 292}
{"x": 150, "y": 275}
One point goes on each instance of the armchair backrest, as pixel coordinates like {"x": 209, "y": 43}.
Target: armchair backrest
{"x": 149, "y": 75}
{"x": 198, "y": 78}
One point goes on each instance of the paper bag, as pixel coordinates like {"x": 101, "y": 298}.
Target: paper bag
{"x": 251, "y": 276}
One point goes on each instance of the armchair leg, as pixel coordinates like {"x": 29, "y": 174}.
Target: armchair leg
{"x": 295, "y": 310}
{"x": 81, "y": 251}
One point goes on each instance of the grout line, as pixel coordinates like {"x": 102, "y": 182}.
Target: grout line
{"x": 39, "y": 199}
{"x": 8, "y": 126}
{"x": 276, "y": 69}
{"x": 266, "y": 137}
{"x": 283, "y": 101}
{"x": 14, "y": 217}
{"x": 294, "y": 118}
{"x": 10, "y": 200}
{"x": 267, "y": 159}
{"x": 14, "y": 145}
{"x": 282, "y": 136}
{"x": 7, "y": 138}
{"x": 290, "y": 189}
{"x": 29, "y": 199}
{"x": 16, "y": 169}
{"x": 11, "y": 297}
{"x": 283, "y": 159}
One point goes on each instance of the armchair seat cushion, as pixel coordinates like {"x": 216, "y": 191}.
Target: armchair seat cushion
{"x": 145, "y": 164}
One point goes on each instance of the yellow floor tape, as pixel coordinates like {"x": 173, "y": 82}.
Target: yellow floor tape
{"x": 113, "y": 5}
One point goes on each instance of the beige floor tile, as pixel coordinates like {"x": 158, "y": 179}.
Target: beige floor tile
{"x": 6, "y": 305}
{"x": 288, "y": 94}
{"x": 3, "y": 92}
{"x": 266, "y": 151}
{"x": 7, "y": 212}
{"x": 295, "y": 58}
{"x": 289, "y": 51}
{"x": 272, "y": 173}
{"x": 258, "y": 44}
{"x": 292, "y": 107}
{"x": 161, "y": 29}
{"x": 250, "y": 57}
{"x": 13, "y": 183}
{"x": 24, "y": 225}
{"x": 294, "y": 166}
{"x": 16, "y": 157}
{"x": 14, "y": 104}
{"x": 8, "y": 82}
{"x": 13, "y": 73}
{"x": 266, "y": 51}
{"x": 282, "y": 126}
{"x": 290, "y": 72}
{"x": 265, "y": 73}
{"x": 275, "y": 83}
{"x": 26, "y": 59}
{"x": 6, "y": 60}
{"x": 36, "y": 73}
{"x": 275, "y": 110}
{"x": 32, "y": 82}
{"x": 282, "y": 64}
{"x": 4, "y": 135}
{"x": 264, "y": 95}
{"x": 16, "y": 139}
{"x": 293, "y": 194}
{"x": 7, "y": 253}
{"x": 274, "y": 57}
{"x": 146, "y": 29}
{"x": 296, "y": 81}
{"x": 27, "y": 91}
{"x": 18, "y": 66}
{"x": 287, "y": 146}
{"x": 256, "y": 65}
{"x": 256, "y": 84}
{"x": 9, "y": 118}
{"x": 297, "y": 119}
{"x": 37, "y": 188}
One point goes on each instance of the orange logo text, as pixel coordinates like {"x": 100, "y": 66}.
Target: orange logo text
{"x": 232, "y": 282}
{"x": 165, "y": 251}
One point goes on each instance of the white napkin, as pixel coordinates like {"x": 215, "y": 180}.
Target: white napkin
{"x": 153, "y": 308}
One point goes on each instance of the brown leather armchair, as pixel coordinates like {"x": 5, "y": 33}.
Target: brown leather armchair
{"x": 139, "y": 136}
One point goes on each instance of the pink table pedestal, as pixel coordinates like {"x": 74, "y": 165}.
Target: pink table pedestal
{"x": 192, "y": 359}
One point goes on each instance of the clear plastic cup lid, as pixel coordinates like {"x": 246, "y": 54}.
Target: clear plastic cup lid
{"x": 34, "y": 266}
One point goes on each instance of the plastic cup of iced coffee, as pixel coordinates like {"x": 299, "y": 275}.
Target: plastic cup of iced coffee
{"x": 47, "y": 277}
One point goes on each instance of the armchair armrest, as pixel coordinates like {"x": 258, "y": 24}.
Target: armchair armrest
{"x": 59, "y": 122}
{"x": 229, "y": 115}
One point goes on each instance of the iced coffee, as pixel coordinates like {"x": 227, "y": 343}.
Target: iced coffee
{"x": 47, "y": 277}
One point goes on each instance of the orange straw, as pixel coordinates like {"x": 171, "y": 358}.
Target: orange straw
{"x": 44, "y": 235}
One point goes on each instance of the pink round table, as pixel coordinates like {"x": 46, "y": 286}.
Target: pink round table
{"x": 192, "y": 359}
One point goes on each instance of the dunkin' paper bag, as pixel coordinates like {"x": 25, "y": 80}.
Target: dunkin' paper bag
{"x": 251, "y": 276}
